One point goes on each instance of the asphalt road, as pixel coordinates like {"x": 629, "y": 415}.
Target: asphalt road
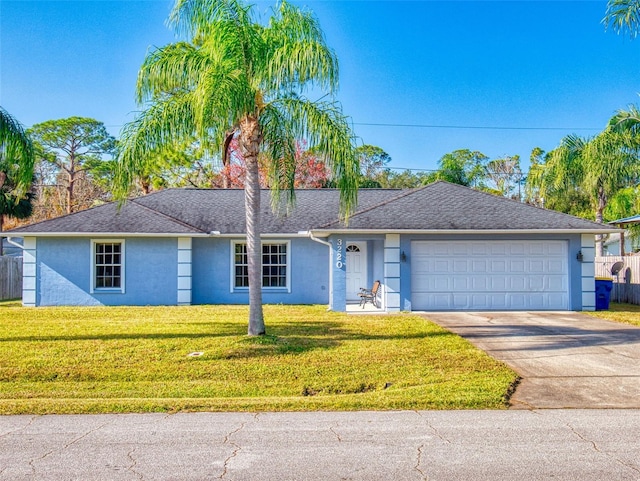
{"x": 428, "y": 445}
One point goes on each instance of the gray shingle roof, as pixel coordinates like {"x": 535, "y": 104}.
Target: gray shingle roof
{"x": 445, "y": 206}
{"x": 438, "y": 206}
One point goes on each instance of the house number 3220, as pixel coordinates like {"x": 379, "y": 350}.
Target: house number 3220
{"x": 339, "y": 263}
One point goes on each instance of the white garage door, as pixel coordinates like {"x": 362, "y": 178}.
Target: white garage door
{"x": 500, "y": 275}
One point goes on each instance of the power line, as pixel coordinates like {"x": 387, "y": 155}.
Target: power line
{"x": 475, "y": 127}
{"x": 459, "y": 127}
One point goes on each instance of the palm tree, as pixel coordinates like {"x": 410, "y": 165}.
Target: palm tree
{"x": 623, "y": 16}
{"x": 17, "y": 159}
{"x": 626, "y": 121}
{"x": 598, "y": 167}
{"x": 239, "y": 77}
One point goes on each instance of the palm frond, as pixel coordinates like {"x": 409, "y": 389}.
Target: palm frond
{"x": 301, "y": 55}
{"x": 166, "y": 121}
{"x": 626, "y": 120}
{"x": 195, "y": 17}
{"x": 173, "y": 67}
{"x": 623, "y": 16}
{"x": 17, "y": 153}
{"x": 328, "y": 131}
{"x": 279, "y": 145}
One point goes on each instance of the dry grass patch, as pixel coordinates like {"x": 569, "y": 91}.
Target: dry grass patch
{"x": 133, "y": 359}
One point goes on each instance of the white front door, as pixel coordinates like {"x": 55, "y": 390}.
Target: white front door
{"x": 356, "y": 256}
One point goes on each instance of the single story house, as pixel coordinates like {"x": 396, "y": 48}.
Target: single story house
{"x": 439, "y": 247}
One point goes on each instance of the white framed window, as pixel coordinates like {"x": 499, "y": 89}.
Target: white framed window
{"x": 107, "y": 265}
{"x": 276, "y": 269}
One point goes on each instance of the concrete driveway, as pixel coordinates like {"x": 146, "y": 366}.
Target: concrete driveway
{"x": 565, "y": 359}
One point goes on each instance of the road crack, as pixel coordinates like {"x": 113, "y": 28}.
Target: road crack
{"x": 85, "y": 435}
{"x": 425, "y": 477}
{"x": 134, "y": 462}
{"x": 8, "y": 433}
{"x": 434, "y": 429}
{"x": 236, "y": 450}
{"x": 335, "y": 433}
{"x": 597, "y": 449}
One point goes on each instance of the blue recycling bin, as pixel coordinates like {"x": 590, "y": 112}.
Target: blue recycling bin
{"x": 603, "y": 293}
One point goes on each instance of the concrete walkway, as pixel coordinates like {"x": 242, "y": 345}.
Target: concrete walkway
{"x": 563, "y": 445}
{"x": 566, "y": 360}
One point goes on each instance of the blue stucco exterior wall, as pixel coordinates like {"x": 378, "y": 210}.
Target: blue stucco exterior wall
{"x": 63, "y": 270}
{"x": 212, "y": 274}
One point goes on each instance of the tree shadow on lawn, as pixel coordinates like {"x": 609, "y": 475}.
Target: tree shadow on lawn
{"x": 282, "y": 338}
{"x": 222, "y": 330}
{"x": 297, "y": 338}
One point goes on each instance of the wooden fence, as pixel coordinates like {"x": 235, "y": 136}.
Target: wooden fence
{"x": 10, "y": 278}
{"x": 626, "y": 283}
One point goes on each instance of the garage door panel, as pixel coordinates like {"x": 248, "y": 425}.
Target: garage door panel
{"x": 536, "y": 249}
{"x": 499, "y": 301}
{"x": 556, "y": 249}
{"x": 460, "y": 265}
{"x": 479, "y": 266}
{"x": 498, "y": 249}
{"x": 557, "y": 284}
{"x": 461, "y": 283}
{"x": 537, "y": 283}
{"x": 498, "y": 266}
{"x": 537, "y": 266}
{"x": 441, "y": 266}
{"x": 517, "y": 249}
{"x": 480, "y": 283}
{"x": 556, "y": 267}
{"x": 517, "y": 301}
{"x": 480, "y": 300}
{"x": 498, "y": 283}
{"x": 517, "y": 283}
{"x": 480, "y": 250}
{"x": 517, "y": 266}
{"x": 460, "y": 301}
{"x": 502, "y": 275}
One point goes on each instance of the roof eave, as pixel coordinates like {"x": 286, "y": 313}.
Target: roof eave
{"x": 106, "y": 234}
{"x": 328, "y": 232}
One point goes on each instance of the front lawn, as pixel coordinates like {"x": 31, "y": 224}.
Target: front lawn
{"x": 625, "y": 313}
{"x": 134, "y": 359}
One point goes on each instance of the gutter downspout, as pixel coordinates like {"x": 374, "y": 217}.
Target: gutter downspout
{"x": 330, "y": 245}
{"x": 14, "y": 243}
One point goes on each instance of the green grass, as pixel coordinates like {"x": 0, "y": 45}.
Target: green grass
{"x": 98, "y": 359}
{"x": 625, "y": 313}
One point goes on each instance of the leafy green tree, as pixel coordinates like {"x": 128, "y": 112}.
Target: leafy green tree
{"x": 75, "y": 145}
{"x": 532, "y": 181}
{"x": 237, "y": 77}
{"x": 373, "y": 161}
{"x": 17, "y": 158}
{"x": 464, "y": 167}
{"x": 506, "y": 176}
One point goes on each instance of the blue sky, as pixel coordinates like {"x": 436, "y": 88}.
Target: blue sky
{"x": 410, "y": 71}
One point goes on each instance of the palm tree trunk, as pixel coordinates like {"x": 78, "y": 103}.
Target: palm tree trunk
{"x": 250, "y": 137}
